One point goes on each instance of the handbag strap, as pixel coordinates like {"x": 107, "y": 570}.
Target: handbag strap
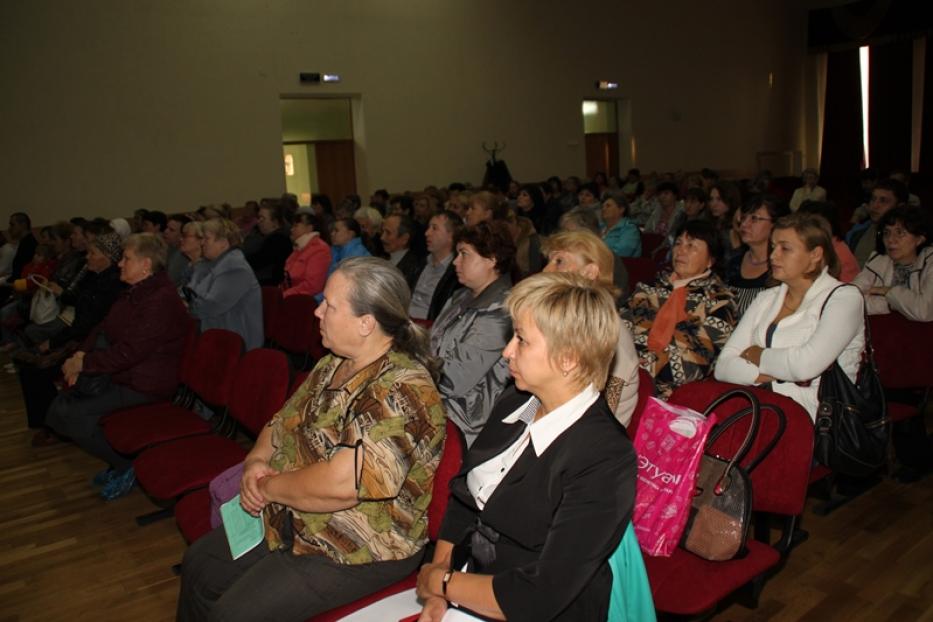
{"x": 717, "y": 431}
{"x": 40, "y": 281}
{"x": 868, "y": 354}
{"x": 755, "y": 410}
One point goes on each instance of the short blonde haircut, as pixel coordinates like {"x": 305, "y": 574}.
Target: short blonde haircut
{"x": 223, "y": 229}
{"x": 148, "y": 245}
{"x": 195, "y": 226}
{"x": 372, "y": 215}
{"x": 577, "y": 317}
{"x": 589, "y": 247}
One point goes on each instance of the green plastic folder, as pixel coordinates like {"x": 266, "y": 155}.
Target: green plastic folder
{"x": 244, "y": 531}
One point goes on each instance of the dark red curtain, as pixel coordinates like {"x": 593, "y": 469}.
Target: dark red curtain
{"x": 926, "y": 140}
{"x": 841, "y": 158}
{"x": 890, "y": 85}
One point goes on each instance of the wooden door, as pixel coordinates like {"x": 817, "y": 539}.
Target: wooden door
{"x": 336, "y": 168}
{"x": 602, "y": 153}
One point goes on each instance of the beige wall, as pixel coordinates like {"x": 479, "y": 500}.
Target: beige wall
{"x": 109, "y": 105}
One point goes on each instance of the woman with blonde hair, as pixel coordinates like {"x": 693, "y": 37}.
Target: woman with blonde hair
{"x": 547, "y": 490}
{"x": 791, "y": 334}
{"x": 582, "y": 252}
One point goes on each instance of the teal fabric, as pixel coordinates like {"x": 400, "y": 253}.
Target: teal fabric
{"x": 630, "y": 599}
{"x": 624, "y": 239}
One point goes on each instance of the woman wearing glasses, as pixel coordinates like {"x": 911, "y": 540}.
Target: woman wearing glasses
{"x": 748, "y": 272}
{"x": 901, "y": 277}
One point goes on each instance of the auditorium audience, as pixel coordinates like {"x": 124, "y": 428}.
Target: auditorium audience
{"x": 865, "y": 238}
{"x": 848, "y": 264}
{"x": 192, "y": 235}
{"x": 153, "y": 222}
{"x": 471, "y": 330}
{"x": 548, "y": 488}
{"x": 397, "y": 231}
{"x": 483, "y": 206}
{"x": 748, "y": 273}
{"x": 530, "y": 203}
{"x": 347, "y": 242}
{"x": 177, "y": 263}
{"x": 306, "y": 268}
{"x": 268, "y": 245}
{"x": 20, "y": 232}
{"x": 620, "y": 233}
{"x": 791, "y": 334}
{"x": 682, "y": 320}
{"x": 581, "y": 252}
{"x": 528, "y": 257}
{"x": 130, "y": 358}
{"x": 809, "y": 191}
{"x": 224, "y": 292}
{"x": 667, "y": 212}
{"x": 725, "y": 205}
{"x": 343, "y": 501}
{"x": 900, "y": 278}
{"x": 438, "y": 280}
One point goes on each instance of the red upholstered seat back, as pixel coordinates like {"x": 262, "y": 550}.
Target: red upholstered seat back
{"x": 779, "y": 483}
{"x": 448, "y": 467}
{"x": 216, "y": 356}
{"x": 640, "y": 270}
{"x": 188, "y": 353}
{"x": 271, "y": 299}
{"x": 296, "y": 329}
{"x": 260, "y": 383}
{"x": 650, "y": 242}
{"x": 902, "y": 351}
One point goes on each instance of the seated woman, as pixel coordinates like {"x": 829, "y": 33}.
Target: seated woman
{"x": 581, "y": 252}
{"x": 91, "y": 297}
{"x": 848, "y": 264}
{"x": 346, "y": 237}
{"x": 682, "y": 320}
{"x": 130, "y": 358}
{"x": 725, "y": 209}
{"x": 901, "y": 278}
{"x": 792, "y": 333}
{"x": 528, "y": 257}
{"x": 192, "y": 235}
{"x": 270, "y": 245}
{"x": 342, "y": 475}
{"x": 620, "y": 234}
{"x": 473, "y": 327}
{"x": 748, "y": 273}
{"x": 306, "y": 268}
{"x": 548, "y": 487}
{"x": 224, "y": 293}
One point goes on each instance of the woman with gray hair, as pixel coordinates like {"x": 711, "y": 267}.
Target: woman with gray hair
{"x": 224, "y": 292}
{"x": 342, "y": 475}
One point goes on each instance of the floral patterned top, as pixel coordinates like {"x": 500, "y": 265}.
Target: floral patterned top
{"x": 390, "y": 414}
{"x": 697, "y": 341}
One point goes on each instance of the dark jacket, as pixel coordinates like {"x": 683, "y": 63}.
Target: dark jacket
{"x": 559, "y": 515}
{"x": 411, "y": 266}
{"x": 24, "y": 253}
{"x": 446, "y": 287}
{"x": 145, "y": 332}
{"x": 69, "y": 267}
{"x": 92, "y": 298}
{"x": 268, "y": 261}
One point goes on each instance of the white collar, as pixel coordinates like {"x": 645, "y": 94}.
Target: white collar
{"x": 546, "y": 429}
{"x": 303, "y": 240}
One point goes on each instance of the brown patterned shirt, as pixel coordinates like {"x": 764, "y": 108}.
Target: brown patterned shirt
{"x": 389, "y": 413}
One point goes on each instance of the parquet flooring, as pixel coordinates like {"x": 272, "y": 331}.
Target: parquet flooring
{"x": 67, "y": 555}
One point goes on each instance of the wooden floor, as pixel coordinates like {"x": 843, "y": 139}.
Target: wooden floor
{"x": 67, "y": 555}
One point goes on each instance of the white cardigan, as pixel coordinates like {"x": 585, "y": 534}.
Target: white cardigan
{"x": 914, "y": 301}
{"x": 804, "y": 344}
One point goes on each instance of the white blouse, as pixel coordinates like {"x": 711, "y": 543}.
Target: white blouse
{"x": 483, "y": 479}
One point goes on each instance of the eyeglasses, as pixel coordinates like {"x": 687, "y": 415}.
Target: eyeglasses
{"x": 755, "y": 219}
{"x": 895, "y": 234}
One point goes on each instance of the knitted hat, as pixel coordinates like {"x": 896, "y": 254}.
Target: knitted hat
{"x": 122, "y": 227}
{"x": 111, "y": 245}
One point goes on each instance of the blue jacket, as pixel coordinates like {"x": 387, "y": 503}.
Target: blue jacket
{"x": 224, "y": 293}
{"x": 353, "y": 248}
{"x": 624, "y": 239}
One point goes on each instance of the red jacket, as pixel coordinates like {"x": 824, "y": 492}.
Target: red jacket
{"x": 307, "y": 268}
{"x": 145, "y": 332}
{"x": 42, "y": 269}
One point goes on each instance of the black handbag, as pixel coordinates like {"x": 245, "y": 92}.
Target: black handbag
{"x": 851, "y": 427}
{"x": 720, "y": 511}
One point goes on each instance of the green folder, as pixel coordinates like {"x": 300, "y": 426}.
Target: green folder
{"x": 244, "y": 531}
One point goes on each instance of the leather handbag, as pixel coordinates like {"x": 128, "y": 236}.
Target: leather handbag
{"x": 720, "y": 512}
{"x": 851, "y": 427}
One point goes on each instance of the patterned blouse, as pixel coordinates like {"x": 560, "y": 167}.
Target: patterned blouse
{"x": 389, "y": 413}
{"x": 697, "y": 341}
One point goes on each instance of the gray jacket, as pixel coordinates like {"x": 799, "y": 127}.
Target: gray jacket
{"x": 224, "y": 293}
{"x": 468, "y": 337}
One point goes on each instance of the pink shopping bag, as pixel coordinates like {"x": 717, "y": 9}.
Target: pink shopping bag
{"x": 669, "y": 444}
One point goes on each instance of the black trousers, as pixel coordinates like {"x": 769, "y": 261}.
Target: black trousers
{"x": 76, "y": 416}
{"x": 39, "y": 391}
{"x": 266, "y": 585}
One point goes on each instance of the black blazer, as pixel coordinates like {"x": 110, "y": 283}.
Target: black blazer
{"x": 411, "y": 265}
{"x": 559, "y": 515}
{"x": 444, "y": 290}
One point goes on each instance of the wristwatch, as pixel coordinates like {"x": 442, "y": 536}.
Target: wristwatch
{"x": 445, "y": 581}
